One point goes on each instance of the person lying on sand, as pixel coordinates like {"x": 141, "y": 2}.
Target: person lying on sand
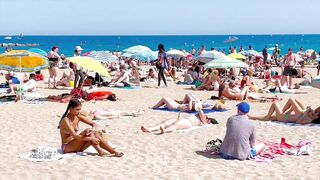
{"x": 101, "y": 114}
{"x": 230, "y": 92}
{"x": 293, "y": 112}
{"x": 189, "y": 103}
{"x": 79, "y": 93}
{"x": 188, "y": 122}
{"x": 72, "y": 141}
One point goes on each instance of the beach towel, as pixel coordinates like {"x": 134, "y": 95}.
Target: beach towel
{"x": 33, "y": 98}
{"x": 291, "y": 124}
{"x": 273, "y": 150}
{"x": 46, "y": 153}
{"x": 206, "y": 111}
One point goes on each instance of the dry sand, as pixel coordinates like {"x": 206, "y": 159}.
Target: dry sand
{"x": 148, "y": 156}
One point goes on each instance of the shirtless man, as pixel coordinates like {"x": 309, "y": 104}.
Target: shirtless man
{"x": 289, "y": 64}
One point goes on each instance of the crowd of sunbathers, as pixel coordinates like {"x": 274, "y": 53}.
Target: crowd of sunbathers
{"x": 226, "y": 82}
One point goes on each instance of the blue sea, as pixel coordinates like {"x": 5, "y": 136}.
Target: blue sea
{"x": 66, "y": 44}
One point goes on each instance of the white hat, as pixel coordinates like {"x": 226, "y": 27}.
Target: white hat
{"x": 78, "y": 48}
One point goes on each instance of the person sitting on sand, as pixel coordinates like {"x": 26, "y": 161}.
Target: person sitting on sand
{"x": 188, "y": 122}
{"x": 248, "y": 81}
{"x": 101, "y": 114}
{"x": 10, "y": 79}
{"x": 239, "y": 140}
{"x": 121, "y": 79}
{"x": 189, "y": 103}
{"x": 211, "y": 82}
{"x": 66, "y": 79}
{"x": 135, "y": 76}
{"x": 72, "y": 141}
{"x": 151, "y": 75}
{"x": 28, "y": 86}
{"x": 293, "y": 112}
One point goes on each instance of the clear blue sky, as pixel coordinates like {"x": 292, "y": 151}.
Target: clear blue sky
{"x": 163, "y": 17}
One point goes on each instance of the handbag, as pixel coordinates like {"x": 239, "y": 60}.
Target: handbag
{"x": 214, "y": 146}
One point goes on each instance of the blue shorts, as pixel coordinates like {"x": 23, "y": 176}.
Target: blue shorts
{"x": 253, "y": 153}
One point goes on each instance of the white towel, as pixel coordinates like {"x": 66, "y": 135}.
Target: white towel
{"x": 45, "y": 153}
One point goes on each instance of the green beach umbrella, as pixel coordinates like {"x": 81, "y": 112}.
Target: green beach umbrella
{"x": 225, "y": 62}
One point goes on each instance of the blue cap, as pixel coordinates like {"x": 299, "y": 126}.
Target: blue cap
{"x": 243, "y": 107}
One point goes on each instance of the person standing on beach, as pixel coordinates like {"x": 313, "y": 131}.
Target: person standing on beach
{"x": 53, "y": 58}
{"x": 240, "y": 137}
{"x": 78, "y": 71}
{"x": 162, "y": 64}
{"x": 265, "y": 55}
{"x": 276, "y": 53}
{"x": 289, "y": 64}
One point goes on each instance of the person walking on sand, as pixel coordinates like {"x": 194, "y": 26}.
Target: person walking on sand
{"x": 78, "y": 71}
{"x": 162, "y": 64}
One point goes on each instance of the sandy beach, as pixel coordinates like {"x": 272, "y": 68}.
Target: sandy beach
{"x": 147, "y": 156}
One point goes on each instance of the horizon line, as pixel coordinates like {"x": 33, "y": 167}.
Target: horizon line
{"x": 252, "y": 34}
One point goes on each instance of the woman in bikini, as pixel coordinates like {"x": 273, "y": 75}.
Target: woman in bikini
{"x": 54, "y": 59}
{"x": 101, "y": 114}
{"x": 293, "y": 112}
{"x": 233, "y": 93}
{"x": 189, "y": 103}
{"x": 72, "y": 141}
{"x": 248, "y": 81}
{"x": 172, "y": 125}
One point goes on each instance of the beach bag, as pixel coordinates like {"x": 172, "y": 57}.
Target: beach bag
{"x": 214, "y": 146}
{"x": 158, "y": 65}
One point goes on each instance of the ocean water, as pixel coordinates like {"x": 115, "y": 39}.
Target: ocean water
{"x": 66, "y": 44}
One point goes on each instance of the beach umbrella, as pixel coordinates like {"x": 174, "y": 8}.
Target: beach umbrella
{"x": 236, "y": 56}
{"x": 250, "y": 53}
{"x": 203, "y": 59}
{"x": 212, "y": 54}
{"x": 225, "y": 63}
{"x": 90, "y": 64}
{"x": 176, "y": 53}
{"x": 38, "y": 51}
{"x": 138, "y": 48}
{"x": 145, "y": 56}
{"x": 22, "y": 61}
{"x": 104, "y": 56}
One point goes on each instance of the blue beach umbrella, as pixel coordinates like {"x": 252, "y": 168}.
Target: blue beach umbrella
{"x": 145, "y": 56}
{"x": 136, "y": 49}
{"x": 38, "y": 51}
{"x": 104, "y": 56}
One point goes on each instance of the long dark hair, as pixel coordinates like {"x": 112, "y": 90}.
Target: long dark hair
{"x": 221, "y": 88}
{"x": 74, "y": 102}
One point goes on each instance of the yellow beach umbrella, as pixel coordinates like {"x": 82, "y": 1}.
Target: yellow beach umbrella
{"x": 236, "y": 56}
{"x": 90, "y": 64}
{"x": 22, "y": 61}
